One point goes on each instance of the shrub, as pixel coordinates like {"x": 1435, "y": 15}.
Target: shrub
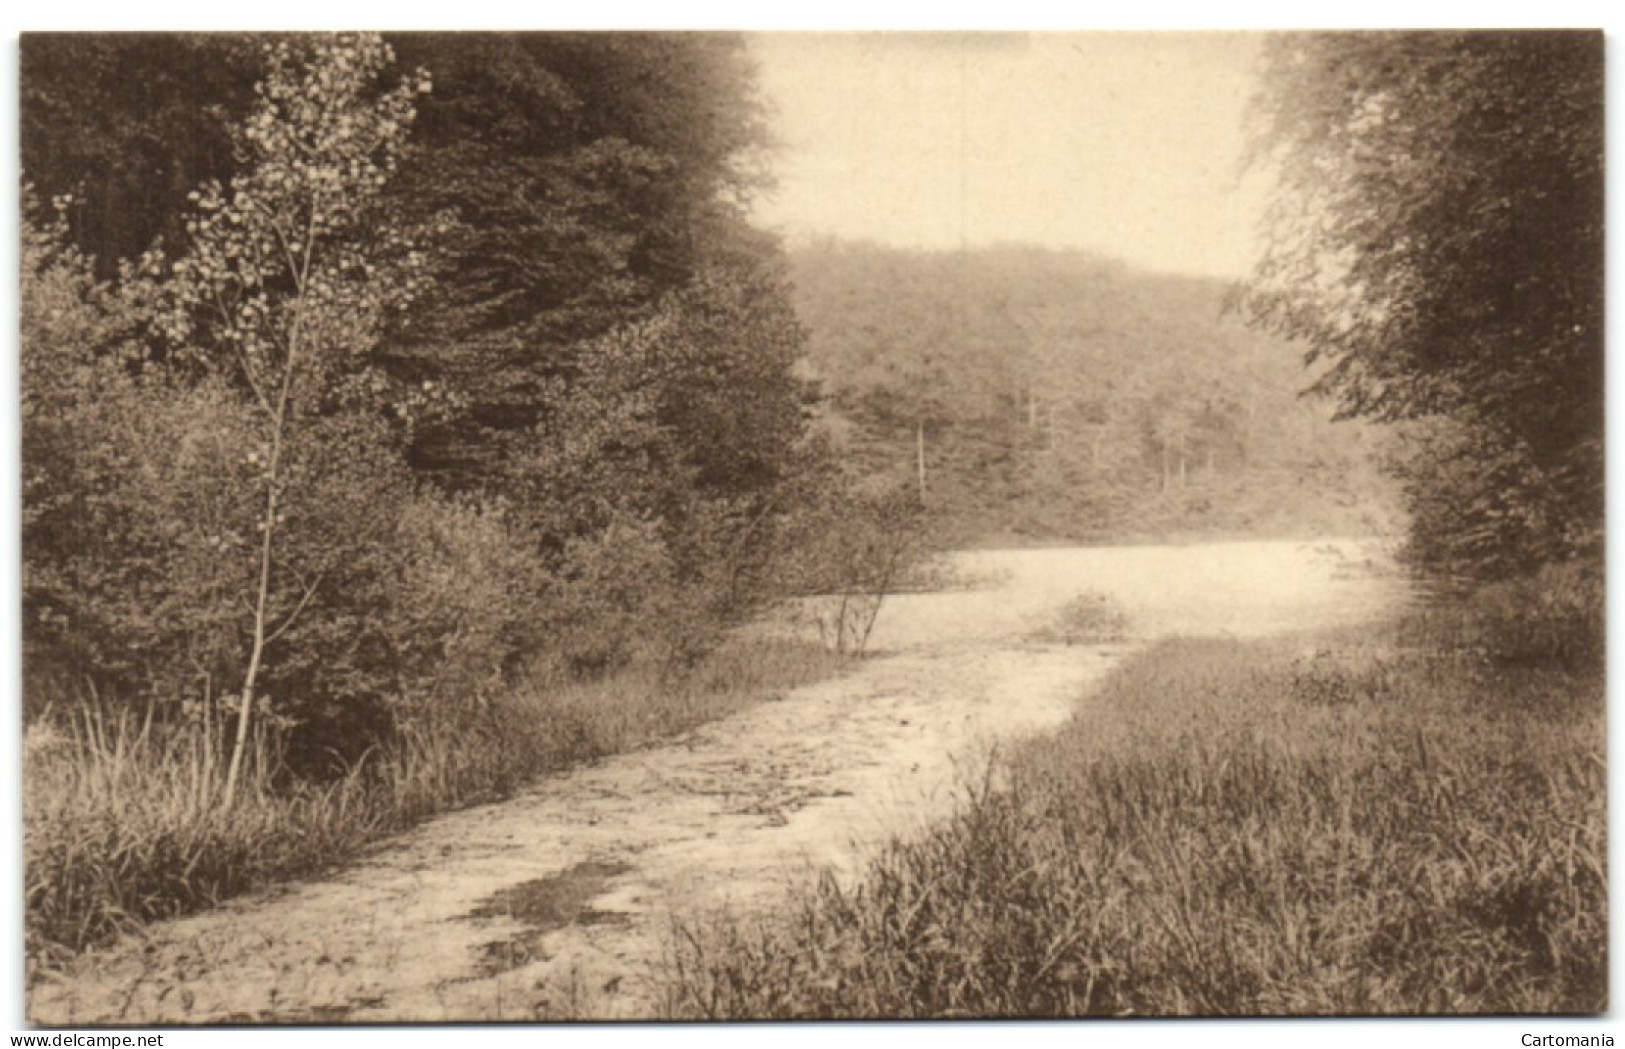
{"x": 605, "y": 598}
{"x": 1553, "y": 617}
{"x": 141, "y": 544}
{"x": 849, "y": 549}
{"x": 1480, "y": 507}
{"x": 465, "y": 603}
{"x": 133, "y": 493}
{"x": 1089, "y": 619}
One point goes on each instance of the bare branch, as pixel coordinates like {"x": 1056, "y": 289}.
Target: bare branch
{"x": 310, "y": 592}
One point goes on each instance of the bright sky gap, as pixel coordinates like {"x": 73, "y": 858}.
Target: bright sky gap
{"x": 1127, "y": 144}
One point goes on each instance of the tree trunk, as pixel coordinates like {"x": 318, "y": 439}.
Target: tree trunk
{"x": 245, "y": 707}
{"x": 273, "y": 485}
{"x": 919, "y": 454}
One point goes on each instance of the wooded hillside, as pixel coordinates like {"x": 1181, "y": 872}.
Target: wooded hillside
{"x": 1044, "y": 396}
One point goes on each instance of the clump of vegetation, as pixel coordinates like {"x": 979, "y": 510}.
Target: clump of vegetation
{"x": 856, "y": 547}
{"x": 1088, "y": 619}
{"x": 1400, "y": 821}
{"x": 1555, "y": 615}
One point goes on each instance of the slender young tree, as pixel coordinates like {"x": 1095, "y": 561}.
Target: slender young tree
{"x": 291, "y": 272}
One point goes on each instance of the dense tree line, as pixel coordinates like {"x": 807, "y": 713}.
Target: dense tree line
{"x": 1036, "y": 395}
{"x": 569, "y": 179}
{"x": 1438, "y": 245}
{"x": 362, "y": 374}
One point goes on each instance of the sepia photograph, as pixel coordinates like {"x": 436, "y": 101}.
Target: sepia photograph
{"x": 556, "y": 526}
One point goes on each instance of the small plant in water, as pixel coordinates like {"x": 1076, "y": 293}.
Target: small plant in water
{"x": 1088, "y": 619}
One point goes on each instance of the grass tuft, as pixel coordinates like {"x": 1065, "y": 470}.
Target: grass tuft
{"x": 1089, "y": 619}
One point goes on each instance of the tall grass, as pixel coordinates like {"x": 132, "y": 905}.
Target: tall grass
{"x": 1391, "y": 820}
{"x": 118, "y": 830}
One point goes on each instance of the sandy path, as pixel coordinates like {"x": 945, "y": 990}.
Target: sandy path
{"x": 553, "y": 904}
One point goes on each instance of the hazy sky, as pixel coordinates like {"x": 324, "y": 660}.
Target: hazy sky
{"x": 1127, "y": 143}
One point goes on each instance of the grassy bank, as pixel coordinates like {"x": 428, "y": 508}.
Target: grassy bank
{"x": 1402, "y": 819}
{"x": 116, "y": 835}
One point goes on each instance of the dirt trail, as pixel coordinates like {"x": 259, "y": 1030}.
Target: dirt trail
{"x": 554, "y": 904}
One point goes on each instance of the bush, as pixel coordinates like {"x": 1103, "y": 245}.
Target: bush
{"x": 1089, "y": 619}
{"x": 1553, "y": 617}
{"x": 141, "y": 547}
{"x": 133, "y": 493}
{"x": 465, "y": 604}
{"x": 1481, "y": 509}
{"x": 606, "y": 597}
{"x": 848, "y": 550}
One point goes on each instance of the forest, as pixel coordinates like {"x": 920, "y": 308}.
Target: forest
{"x": 377, "y": 393}
{"x": 1046, "y": 397}
{"x": 407, "y": 416}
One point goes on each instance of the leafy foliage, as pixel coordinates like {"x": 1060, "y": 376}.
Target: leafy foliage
{"x": 854, "y": 547}
{"x": 581, "y": 179}
{"x": 133, "y": 486}
{"x": 1438, "y": 243}
{"x": 128, "y": 124}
